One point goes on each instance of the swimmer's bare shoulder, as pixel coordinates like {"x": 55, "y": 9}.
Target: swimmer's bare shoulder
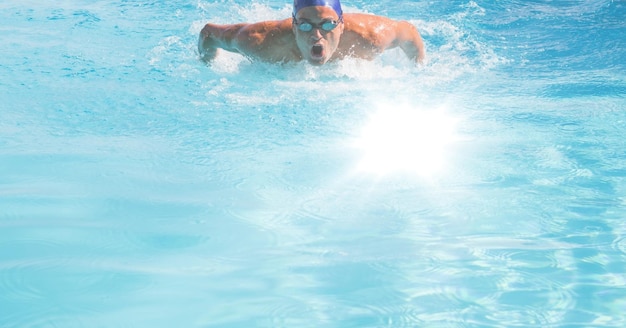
{"x": 366, "y": 36}
{"x": 271, "y": 41}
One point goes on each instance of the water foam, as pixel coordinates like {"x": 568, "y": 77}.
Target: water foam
{"x": 451, "y": 50}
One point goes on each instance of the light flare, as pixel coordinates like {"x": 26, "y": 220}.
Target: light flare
{"x": 406, "y": 139}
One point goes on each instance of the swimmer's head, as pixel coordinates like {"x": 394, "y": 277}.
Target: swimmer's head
{"x": 317, "y": 27}
{"x": 334, "y": 4}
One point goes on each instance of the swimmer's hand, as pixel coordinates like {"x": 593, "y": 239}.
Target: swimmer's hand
{"x": 207, "y": 46}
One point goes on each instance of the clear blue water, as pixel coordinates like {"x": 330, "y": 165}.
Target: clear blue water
{"x": 141, "y": 188}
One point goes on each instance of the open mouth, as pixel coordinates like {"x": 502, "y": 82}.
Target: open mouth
{"x": 317, "y": 51}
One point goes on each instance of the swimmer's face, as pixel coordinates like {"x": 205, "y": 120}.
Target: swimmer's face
{"x": 318, "y": 44}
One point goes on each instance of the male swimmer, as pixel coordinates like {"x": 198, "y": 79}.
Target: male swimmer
{"x": 318, "y": 32}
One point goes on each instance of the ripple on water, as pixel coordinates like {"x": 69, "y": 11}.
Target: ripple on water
{"x": 36, "y": 284}
{"x": 16, "y": 274}
{"x": 298, "y": 312}
{"x": 539, "y": 119}
{"x": 531, "y": 298}
{"x": 519, "y": 281}
{"x": 570, "y": 127}
{"x": 620, "y": 244}
{"x": 53, "y": 316}
{"x": 58, "y": 273}
{"x": 375, "y": 307}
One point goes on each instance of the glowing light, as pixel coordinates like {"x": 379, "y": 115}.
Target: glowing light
{"x": 406, "y": 139}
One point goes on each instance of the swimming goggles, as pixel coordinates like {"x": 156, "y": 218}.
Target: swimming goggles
{"x": 326, "y": 26}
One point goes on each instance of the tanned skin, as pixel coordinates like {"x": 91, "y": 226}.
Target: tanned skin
{"x": 359, "y": 36}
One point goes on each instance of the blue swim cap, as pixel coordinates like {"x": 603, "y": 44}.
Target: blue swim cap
{"x": 335, "y": 4}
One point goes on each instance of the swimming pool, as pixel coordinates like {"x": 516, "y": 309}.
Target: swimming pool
{"x": 141, "y": 188}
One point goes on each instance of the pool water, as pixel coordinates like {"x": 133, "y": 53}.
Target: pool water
{"x": 140, "y": 187}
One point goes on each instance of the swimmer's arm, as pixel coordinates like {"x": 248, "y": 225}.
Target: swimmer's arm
{"x": 213, "y": 37}
{"x": 410, "y": 41}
